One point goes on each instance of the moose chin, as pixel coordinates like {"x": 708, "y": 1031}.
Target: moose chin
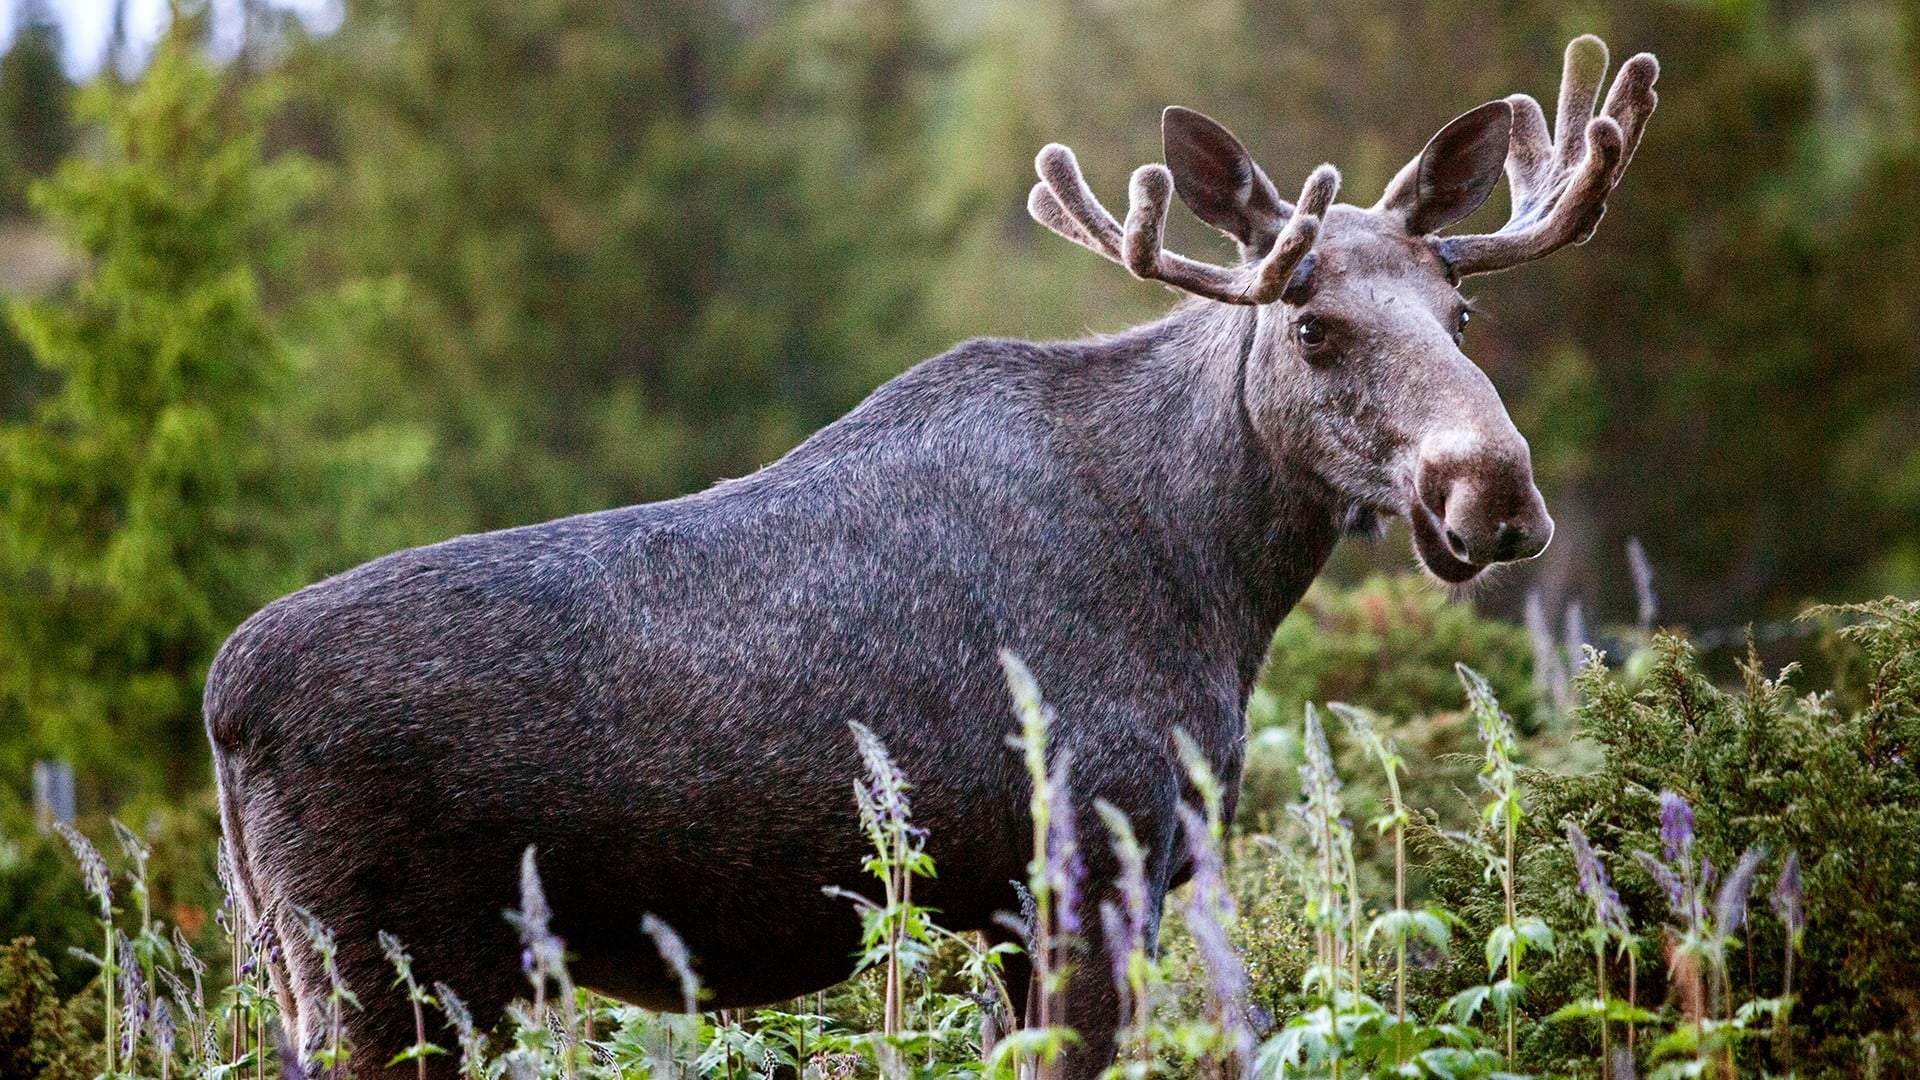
{"x": 657, "y": 698}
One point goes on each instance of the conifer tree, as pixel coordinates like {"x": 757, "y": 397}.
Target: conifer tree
{"x": 34, "y": 132}
{"x": 159, "y": 494}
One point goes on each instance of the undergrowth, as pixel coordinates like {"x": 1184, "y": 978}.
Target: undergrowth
{"x": 1732, "y": 890}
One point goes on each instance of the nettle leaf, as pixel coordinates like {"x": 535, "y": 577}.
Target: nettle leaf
{"x": 1535, "y": 932}
{"x": 1616, "y": 1010}
{"x": 1499, "y": 944}
{"x": 1432, "y": 925}
{"x": 1507, "y": 993}
{"x": 1464, "y": 1005}
{"x": 1396, "y": 925}
{"x": 1308, "y": 1039}
{"x": 1583, "y": 1009}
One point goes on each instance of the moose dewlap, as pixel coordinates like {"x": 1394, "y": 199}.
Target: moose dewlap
{"x": 657, "y": 698}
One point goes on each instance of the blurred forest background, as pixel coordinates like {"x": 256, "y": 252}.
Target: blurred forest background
{"x": 286, "y": 297}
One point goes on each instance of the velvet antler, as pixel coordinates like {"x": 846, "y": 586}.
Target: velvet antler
{"x": 1063, "y": 202}
{"x": 1560, "y": 183}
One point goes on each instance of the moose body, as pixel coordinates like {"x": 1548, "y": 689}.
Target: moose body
{"x": 657, "y": 698}
{"x": 663, "y": 691}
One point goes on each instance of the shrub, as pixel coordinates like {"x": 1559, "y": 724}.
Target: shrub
{"x": 1762, "y": 767}
{"x": 1389, "y": 645}
{"x": 41, "y": 1037}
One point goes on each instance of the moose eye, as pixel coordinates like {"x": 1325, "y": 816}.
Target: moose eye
{"x": 1310, "y": 331}
{"x": 1460, "y": 324}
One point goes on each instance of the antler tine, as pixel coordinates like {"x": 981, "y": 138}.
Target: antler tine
{"x": 1530, "y": 156}
{"x": 1261, "y": 283}
{"x": 1061, "y": 173}
{"x": 1582, "y": 72}
{"x": 1303, "y": 228}
{"x": 1064, "y": 203}
{"x": 1631, "y": 102}
{"x": 1046, "y": 209}
{"x": 1560, "y": 182}
{"x": 1149, "y": 196}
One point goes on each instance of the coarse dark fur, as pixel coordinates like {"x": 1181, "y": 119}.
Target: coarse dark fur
{"x": 656, "y": 698}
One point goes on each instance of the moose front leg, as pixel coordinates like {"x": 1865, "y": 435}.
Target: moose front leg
{"x": 1117, "y": 913}
{"x": 1091, "y": 1006}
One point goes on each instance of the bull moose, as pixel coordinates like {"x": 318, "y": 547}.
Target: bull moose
{"x": 657, "y": 698}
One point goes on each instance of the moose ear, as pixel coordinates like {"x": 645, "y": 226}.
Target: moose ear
{"x": 1455, "y": 173}
{"x": 1217, "y": 179}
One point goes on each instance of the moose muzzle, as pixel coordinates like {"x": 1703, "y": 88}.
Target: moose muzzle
{"x": 1476, "y": 505}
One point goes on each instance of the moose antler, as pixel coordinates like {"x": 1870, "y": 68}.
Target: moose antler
{"x": 1063, "y": 202}
{"x": 1560, "y": 184}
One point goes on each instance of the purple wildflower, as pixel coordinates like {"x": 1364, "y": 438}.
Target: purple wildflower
{"x": 1789, "y": 899}
{"x": 1664, "y": 876}
{"x": 1319, "y": 809}
{"x": 1730, "y": 907}
{"x": 473, "y": 1044}
{"x": 1119, "y": 942}
{"x": 1317, "y": 774}
{"x": 93, "y": 868}
{"x": 1642, "y": 570}
{"x": 1125, "y": 927}
{"x": 674, "y": 952}
{"x": 194, "y": 965}
{"x": 1607, "y": 910}
{"x": 262, "y": 944}
{"x": 133, "y": 1000}
{"x": 1208, "y": 911}
{"x": 136, "y": 851}
{"x": 1065, "y": 869}
{"x": 396, "y": 954}
{"x": 542, "y": 953}
{"x": 163, "y": 1030}
{"x": 883, "y": 798}
{"x": 1676, "y": 828}
{"x": 181, "y": 995}
{"x": 1133, "y": 869}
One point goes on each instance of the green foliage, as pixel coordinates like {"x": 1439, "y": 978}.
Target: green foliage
{"x": 42, "y": 1037}
{"x": 1828, "y": 777}
{"x": 41, "y": 897}
{"x": 1831, "y": 777}
{"x": 159, "y": 496}
{"x": 630, "y": 248}
{"x": 1389, "y": 645}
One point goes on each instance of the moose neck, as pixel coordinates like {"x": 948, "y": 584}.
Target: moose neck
{"x": 1160, "y": 429}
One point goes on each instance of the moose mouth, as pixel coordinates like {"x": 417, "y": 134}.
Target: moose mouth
{"x": 1430, "y": 544}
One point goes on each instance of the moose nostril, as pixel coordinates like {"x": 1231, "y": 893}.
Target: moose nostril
{"x": 1457, "y": 544}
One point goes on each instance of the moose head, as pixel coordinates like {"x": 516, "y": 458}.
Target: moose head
{"x": 1357, "y": 369}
